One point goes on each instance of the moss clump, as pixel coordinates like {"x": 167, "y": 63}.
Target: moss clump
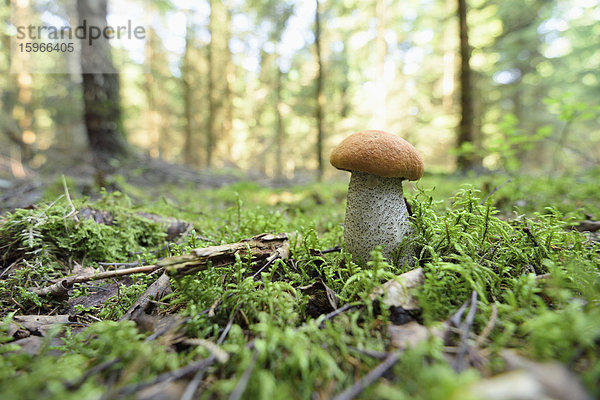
{"x": 47, "y": 375}
{"x": 44, "y": 242}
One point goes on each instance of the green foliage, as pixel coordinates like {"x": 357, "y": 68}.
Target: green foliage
{"x": 26, "y": 376}
{"x": 471, "y": 249}
{"x": 107, "y": 340}
{"x": 362, "y": 282}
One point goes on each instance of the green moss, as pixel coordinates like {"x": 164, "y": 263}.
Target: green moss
{"x": 540, "y": 278}
{"x": 44, "y": 242}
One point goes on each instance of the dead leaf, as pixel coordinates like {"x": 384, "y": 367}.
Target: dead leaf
{"x": 34, "y": 344}
{"x": 529, "y": 380}
{"x": 38, "y": 325}
{"x": 97, "y": 295}
{"x": 321, "y": 299}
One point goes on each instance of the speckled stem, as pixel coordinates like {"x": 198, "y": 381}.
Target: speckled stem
{"x": 376, "y": 214}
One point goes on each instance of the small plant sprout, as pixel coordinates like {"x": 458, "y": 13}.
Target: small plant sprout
{"x": 376, "y": 211}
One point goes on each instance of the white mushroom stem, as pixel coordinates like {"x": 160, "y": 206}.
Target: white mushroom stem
{"x": 376, "y": 214}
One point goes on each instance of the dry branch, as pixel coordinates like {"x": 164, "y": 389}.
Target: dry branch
{"x": 61, "y": 287}
{"x": 260, "y": 248}
{"x": 264, "y": 247}
{"x": 376, "y": 373}
{"x": 156, "y": 291}
{"x": 587, "y": 226}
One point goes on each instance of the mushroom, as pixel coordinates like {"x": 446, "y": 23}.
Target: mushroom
{"x": 376, "y": 211}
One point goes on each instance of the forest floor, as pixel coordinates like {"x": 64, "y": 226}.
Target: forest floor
{"x": 214, "y": 286}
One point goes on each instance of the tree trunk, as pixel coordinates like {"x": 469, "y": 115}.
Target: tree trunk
{"x": 227, "y": 81}
{"x": 24, "y": 136}
{"x": 152, "y": 120}
{"x": 210, "y": 129}
{"x": 380, "y": 101}
{"x": 189, "y": 153}
{"x": 102, "y": 110}
{"x": 219, "y": 121}
{"x": 280, "y": 130}
{"x": 466, "y": 131}
{"x": 319, "y": 94}
{"x": 258, "y": 142}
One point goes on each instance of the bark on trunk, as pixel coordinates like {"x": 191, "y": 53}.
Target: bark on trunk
{"x": 189, "y": 152}
{"x": 466, "y": 131}
{"x": 102, "y": 110}
{"x": 280, "y": 129}
{"x": 319, "y": 94}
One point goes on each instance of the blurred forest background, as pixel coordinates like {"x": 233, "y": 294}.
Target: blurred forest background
{"x": 269, "y": 87}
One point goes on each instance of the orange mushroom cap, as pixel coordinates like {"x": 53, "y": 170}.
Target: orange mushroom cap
{"x": 379, "y": 153}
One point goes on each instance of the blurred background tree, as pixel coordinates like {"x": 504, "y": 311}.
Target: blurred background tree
{"x": 270, "y": 86}
{"x": 101, "y": 91}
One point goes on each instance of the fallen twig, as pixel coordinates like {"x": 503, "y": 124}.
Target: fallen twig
{"x": 488, "y": 327}
{"x": 465, "y": 329}
{"x": 587, "y": 226}
{"x": 76, "y": 384}
{"x": 282, "y": 252}
{"x": 155, "y": 291}
{"x": 370, "y": 378}
{"x": 7, "y": 269}
{"x": 342, "y": 309}
{"x": 240, "y": 387}
{"x": 61, "y": 287}
{"x": 119, "y": 264}
{"x": 262, "y": 247}
{"x": 167, "y": 376}
{"x": 380, "y": 355}
{"x": 334, "y": 249}
{"x": 494, "y": 190}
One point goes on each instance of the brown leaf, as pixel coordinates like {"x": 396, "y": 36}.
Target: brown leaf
{"x": 321, "y": 300}
{"x": 37, "y": 325}
{"x": 97, "y": 295}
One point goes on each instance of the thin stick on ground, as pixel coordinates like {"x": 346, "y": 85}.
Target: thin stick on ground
{"x": 494, "y": 190}
{"x": 168, "y": 376}
{"x": 488, "y": 327}
{"x": 61, "y": 287}
{"x": 240, "y": 387}
{"x": 119, "y": 264}
{"x": 342, "y": 309}
{"x": 334, "y": 249}
{"x": 367, "y": 380}
{"x": 261, "y": 247}
{"x": 76, "y": 384}
{"x": 192, "y": 386}
{"x": 465, "y": 329}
